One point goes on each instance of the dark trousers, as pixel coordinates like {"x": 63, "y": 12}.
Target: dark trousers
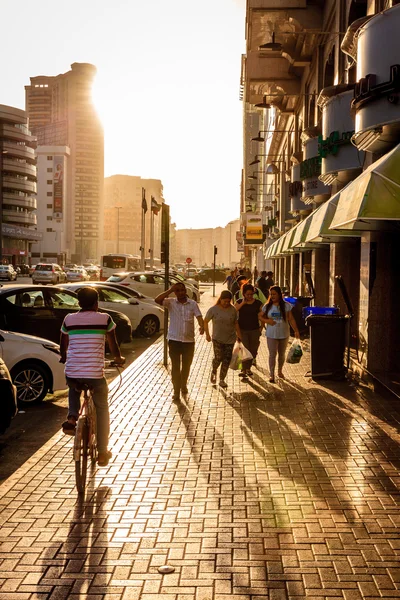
{"x": 251, "y": 341}
{"x": 222, "y": 356}
{"x": 181, "y": 355}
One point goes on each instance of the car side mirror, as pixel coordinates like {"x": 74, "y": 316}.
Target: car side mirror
{"x": 133, "y": 301}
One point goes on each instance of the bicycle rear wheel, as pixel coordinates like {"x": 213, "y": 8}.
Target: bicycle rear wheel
{"x": 81, "y": 453}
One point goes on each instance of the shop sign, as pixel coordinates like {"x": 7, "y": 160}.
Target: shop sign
{"x": 311, "y": 167}
{"x": 22, "y": 233}
{"x": 332, "y": 143}
{"x": 254, "y": 229}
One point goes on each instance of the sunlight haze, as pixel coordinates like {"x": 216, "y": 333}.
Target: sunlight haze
{"x": 167, "y": 89}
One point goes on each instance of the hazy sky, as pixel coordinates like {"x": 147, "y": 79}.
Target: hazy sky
{"x": 167, "y": 88}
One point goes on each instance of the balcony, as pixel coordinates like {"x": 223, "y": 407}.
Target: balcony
{"x": 15, "y": 150}
{"x": 15, "y": 133}
{"x": 22, "y": 168}
{"x": 19, "y": 218}
{"x": 20, "y": 201}
{"x": 377, "y": 92}
{"x": 20, "y": 185}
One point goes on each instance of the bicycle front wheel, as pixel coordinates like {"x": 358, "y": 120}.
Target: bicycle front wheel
{"x": 81, "y": 454}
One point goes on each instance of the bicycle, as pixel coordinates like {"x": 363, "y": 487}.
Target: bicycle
{"x": 85, "y": 443}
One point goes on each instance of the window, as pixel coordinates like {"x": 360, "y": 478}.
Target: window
{"x": 49, "y": 230}
{"x": 49, "y": 169}
{"x": 31, "y": 299}
{"x": 49, "y": 158}
{"x": 112, "y": 296}
{"x": 63, "y": 300}
{"x": 49, "y": 181}
{"x": 49, "y": 218}
{"x": 49, "y": 193}
{"x": 49, "y": 206}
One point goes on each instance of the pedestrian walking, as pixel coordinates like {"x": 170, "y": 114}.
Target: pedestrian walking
{"x": 249, "y": 309}
{"x": 255, "y": 275}
{"x": 277, "y": 316}
{"x": 228, "y": 280}
{"x": 264, "y": 282}
{"x": 182, "y": 312}
{"x": 258, "y": 295}
{"x": 237, "y": 283}
{"x": 225, "y": 331}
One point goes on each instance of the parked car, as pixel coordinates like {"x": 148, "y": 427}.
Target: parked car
{"x": 48, "y": 273}
{"x": 8, "y": 272}
{"x": 132, "y": 293}
{"x": 40, "y": 311}
{"x": 93, "y": 271}
{"x": 146, "y": 319}
{"x": 150, "y": 284}
{"x": 207, "y": 275}
{"x": 34, "y": 365}
{"x": 8, "y": 398}
{"x": 77, "y": 274}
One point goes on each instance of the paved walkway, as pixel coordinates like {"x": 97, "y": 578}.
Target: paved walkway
{"x": 262, "y": 491}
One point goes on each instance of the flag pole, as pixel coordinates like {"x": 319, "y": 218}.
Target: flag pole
{"x": 143, "y": 232}
{"x": 152, "y": 233}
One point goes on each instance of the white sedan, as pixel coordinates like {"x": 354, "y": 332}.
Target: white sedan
{"x": 34, "y": 365}
{"x": 150, "y": 284}
{"x": 77, "y": 274}
{"x": 147, "y": 319}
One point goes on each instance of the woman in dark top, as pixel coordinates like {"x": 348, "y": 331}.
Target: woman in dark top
{"x": 248, "y": 308}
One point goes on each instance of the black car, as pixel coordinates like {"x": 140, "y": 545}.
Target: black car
{"x": 207, "y": 275}
{"x": 40, "y": 310}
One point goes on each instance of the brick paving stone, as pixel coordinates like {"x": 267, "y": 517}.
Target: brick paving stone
{"x": 258, "y": 492}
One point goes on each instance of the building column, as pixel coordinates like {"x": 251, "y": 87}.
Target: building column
{"x": 294, "y": 274}
{"x": 287, "y": 271}
{"x": 320, "y": 275}
{"x": 345, "y": 261}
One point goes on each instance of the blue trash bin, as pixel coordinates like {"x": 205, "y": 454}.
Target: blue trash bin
{"x": 320, "y": 310}
{"x": 299, "y": 303}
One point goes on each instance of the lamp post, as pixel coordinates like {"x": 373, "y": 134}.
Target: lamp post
{"x": 2, "y": 152}
{"x": 118, "y": 208}
{"x": 81, "y": 189}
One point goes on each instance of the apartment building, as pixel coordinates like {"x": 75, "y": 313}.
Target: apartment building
{"x": 18, "y": 219}
{"x": 328, "y": 88}
{"x": 123, "y": 216}
{"x": 62, "y": 113}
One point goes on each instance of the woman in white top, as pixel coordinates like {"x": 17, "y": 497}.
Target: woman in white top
{"x": 277, "y": 316}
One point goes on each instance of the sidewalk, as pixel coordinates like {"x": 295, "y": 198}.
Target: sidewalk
{"x": 257, "y": 492}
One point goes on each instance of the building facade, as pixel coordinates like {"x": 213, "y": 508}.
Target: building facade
{"x": 123, "y": 216}
{"x": 54, "y": 204}
{"x": 62, "y": 113}
{"x": 198, "y": 244}
{"x": 329, "y": 90}
{"x": 18, "y": 219}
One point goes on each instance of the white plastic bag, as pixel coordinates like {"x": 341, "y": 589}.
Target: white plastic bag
{"x": 295, "y": 352}
{"x": 239, "y": 354}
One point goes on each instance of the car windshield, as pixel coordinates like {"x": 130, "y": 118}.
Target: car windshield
{"x": 116, "y": 278}
{"x": 44, "y": 268}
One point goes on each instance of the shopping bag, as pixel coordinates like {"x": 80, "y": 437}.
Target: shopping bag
{"x": 239, "y": 354}
{"x": 295, "y": 352}
{"x": 236, "y": 361}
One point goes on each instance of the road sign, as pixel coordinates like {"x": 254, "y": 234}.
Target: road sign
{"x": 188, "y": 260}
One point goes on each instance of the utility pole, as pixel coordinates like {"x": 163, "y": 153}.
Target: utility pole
{"x": 165, "y": 260}
{"x": 215, "y": 254}
{"x": 143, "y": 237}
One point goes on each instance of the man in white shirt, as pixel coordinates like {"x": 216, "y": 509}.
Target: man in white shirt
{"x": 182, "y": 312}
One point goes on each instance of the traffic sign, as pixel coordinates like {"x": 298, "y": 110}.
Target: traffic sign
{"x": 188, "y": 260}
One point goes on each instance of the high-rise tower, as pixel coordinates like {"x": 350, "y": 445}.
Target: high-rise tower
{"x": 61, "y": 113}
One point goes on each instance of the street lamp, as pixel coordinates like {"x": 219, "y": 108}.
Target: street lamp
{"x": 118, "y": 208}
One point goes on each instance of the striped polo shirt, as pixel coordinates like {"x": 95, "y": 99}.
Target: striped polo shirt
{"x": 86, "y": 330}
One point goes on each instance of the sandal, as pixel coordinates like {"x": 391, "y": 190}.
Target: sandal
{"x": 213, "y": 378}
{"x": 104, "y": 458}
{"x": 68, "y": 428}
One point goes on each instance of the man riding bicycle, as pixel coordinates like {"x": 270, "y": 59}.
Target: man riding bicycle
{"x": 82, "y": 345}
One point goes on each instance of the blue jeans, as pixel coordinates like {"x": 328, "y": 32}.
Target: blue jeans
{"x": 100, "y": 399}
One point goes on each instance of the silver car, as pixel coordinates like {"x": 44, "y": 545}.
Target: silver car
{"x": 48, "y": 273}
{"x": 8, "y": 272}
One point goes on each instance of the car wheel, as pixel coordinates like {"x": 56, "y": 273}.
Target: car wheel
{"x": 149, "y": 325}
{"x": 31, "y": 381}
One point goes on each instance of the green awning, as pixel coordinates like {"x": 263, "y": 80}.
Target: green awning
{"x": 322, "y": 218}
{"x": 372, "y": 196}
{"x": 287, "y": 246}
{"x": 299, "y": 238}
{"x": 270, "y": 250}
